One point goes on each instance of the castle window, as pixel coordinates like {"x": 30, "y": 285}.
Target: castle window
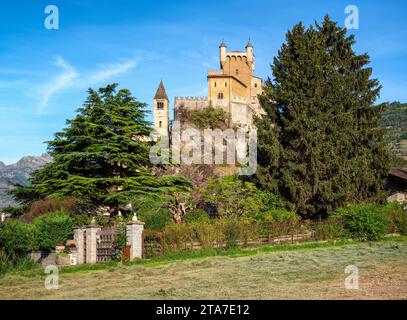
{"x": 220, "y": 95}
{"x": 255, "y": 85}
{"x": 237, "y": 72}
{"x": 226, "y": 84}
{"x": 160, "y": 105}
{"x": 160, "y": 124}
{"x": 214, "y": 84}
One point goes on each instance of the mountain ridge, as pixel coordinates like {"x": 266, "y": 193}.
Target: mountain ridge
{"x": 18, "y": 172}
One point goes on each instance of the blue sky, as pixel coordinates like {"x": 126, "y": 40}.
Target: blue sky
{"x": 44, "y": 74}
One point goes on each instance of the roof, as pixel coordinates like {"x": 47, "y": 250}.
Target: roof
{"x": 249, "y": 44}
{"x": 400, "y": 173}
{"x": 222, "y": 44}
{"x": 161, "y": 94}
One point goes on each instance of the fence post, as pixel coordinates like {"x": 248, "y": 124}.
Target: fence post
{"x": 134, "y": 235}
{"x": 91, "y": 242}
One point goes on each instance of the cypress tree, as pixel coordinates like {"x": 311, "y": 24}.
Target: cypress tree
{"x": 320, "y": 115}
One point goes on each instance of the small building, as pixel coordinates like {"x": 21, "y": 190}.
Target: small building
{"x": 397, "y": 185}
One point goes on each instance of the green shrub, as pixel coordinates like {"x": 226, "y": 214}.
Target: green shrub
{"x": 82, "y": 219}
{"x": 209, "y": 117}
{"x": 197, "y": 215}
{"x": 397, "y": 218}
{"x": 53, "y": 228}
{"x": 233, "y": 197}
{"x": 17, "y": 237}
{"x": 364, "y": 221}
{"x": 279, "y": 215}
{"x": 155, "y": 219}
{"x": 206, "y": 232}
{"x": 278, "y": 222}
{"x": 272, "y": 201}
{"x": 13, "y": 262}
{"x": 177, "y": 237}
{"x": 231, "y": 230}
{"x": 333, "y": 229}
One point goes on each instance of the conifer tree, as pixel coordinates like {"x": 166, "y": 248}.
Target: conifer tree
{"x": 320, "y": 144}
{"x": 102, "y": 155}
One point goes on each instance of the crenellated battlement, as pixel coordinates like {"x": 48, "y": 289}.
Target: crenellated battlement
{"x": 190, "y": 98}
{"x": 215, "y": 72}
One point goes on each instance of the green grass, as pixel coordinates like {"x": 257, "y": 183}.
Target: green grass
{"x": 196, "y": 254}
{"x": 304, "y": 271}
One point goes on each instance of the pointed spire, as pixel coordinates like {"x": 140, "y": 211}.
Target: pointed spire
{"x": 249, "y": 44}
{"x": 161, "y": 94}
{"x": 222, "y": 44}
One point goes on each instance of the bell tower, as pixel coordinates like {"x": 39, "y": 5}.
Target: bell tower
{"x": 161, "y": 111}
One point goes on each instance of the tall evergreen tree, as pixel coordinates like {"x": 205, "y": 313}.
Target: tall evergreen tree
{"x": 320, "y": 144}
{"x": 102, "y": 155}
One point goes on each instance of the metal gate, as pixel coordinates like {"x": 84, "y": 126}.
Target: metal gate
{"x": 106, "y": 248}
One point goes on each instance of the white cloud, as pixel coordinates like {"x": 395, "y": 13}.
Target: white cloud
{"x": 108, "y": 71}
{"x": 69, "y": 77}
{"x": 62, "y": 81}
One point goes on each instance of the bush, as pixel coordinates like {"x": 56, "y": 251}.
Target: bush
{"x": 13, "y": 262}
{"x": 197, "y": 215}
{"x": 364, "y": 221}
{"x": 209, "y": 117}
{"x": 17, "y": 237}
{"x": 49, "y": 205}
{"x": 82, "y": 219}
{"x": 397, "y": 218}
{"x": 231, "y": 229}
{"x": 332, "y": 229}
{"x": 279, "y": 215}
{"x": 53, "y": 228}
{"x": 206, "y": 233}
{"x": 233, "y": 197}
{"x": 176, "y": 237}
{"x": 155, "y": 219}
{"x": 272, "y": 201}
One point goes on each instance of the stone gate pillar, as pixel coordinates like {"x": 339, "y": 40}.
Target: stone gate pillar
{"x": 91, "y": 242}
{"x": 80, "y": 245}
{"x": 134, "y": 235}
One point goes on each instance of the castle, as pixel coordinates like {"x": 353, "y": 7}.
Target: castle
{"x": 233, "y": 87}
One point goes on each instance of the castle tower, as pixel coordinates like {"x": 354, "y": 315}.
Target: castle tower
{"x": 161, "y": 111}
{"x": 249, "y": 54}
{"x": 222, "y": 53}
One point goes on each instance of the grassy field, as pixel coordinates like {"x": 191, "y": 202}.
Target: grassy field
{"x": 316, "y": 273}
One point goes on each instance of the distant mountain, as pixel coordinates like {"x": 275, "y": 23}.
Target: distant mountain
{"x": 395, "y": 121}
{"x": 18, "y": 172}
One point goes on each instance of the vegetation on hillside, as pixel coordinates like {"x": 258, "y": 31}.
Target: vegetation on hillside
{"x": 208, "y": 117}
{"x": 394, "y": 119}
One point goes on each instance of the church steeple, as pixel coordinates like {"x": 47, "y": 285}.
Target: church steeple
{"x": 161, "y": 94}
{"x": 161, "y": 111}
